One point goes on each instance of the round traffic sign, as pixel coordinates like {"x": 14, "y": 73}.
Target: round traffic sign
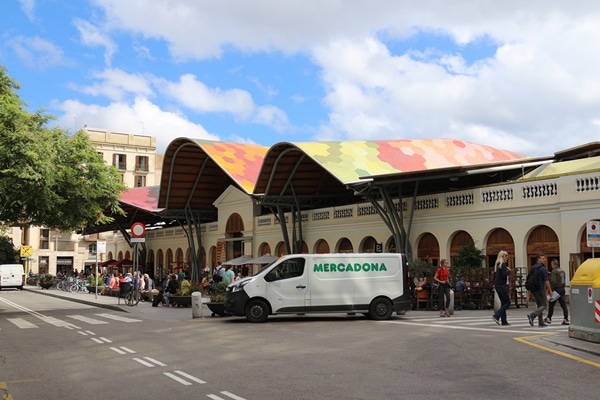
{"x": 138, "y": 230}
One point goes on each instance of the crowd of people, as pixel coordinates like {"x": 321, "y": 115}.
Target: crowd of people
{"x": 548, "y": 290}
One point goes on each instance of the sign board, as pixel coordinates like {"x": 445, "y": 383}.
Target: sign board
{"x": 26, "y": 251}
{"x": 593, "y": 233}
{"x": 379, "y": 248}
{"x": 137, "y": 240}
{"x": 138, "y": 230}
{"x": 101, "y": 246}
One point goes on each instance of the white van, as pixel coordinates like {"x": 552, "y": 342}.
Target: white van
{"x": 11, "y": 276}
{"x": 375, "y": 284}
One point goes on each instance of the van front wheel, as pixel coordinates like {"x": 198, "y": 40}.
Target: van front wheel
{"x": 381, "y": 309}
{"x": 257, "y": 311}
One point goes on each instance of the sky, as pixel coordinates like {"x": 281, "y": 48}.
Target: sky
{"x": 516, "y": 75}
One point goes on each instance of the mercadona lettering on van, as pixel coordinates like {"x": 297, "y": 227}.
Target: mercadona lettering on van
{"x": 375, "y": 284}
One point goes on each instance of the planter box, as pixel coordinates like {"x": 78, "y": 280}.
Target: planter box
{"x": 181, "y": 301}
{"x": 47, "y": 285}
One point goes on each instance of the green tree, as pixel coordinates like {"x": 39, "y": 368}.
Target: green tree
{"x": 46, "y": 177}
{"x": 469, "y": 257}
{"x": 8, "y": 253}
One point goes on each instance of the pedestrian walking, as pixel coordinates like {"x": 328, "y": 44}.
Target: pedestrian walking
{"x": 501, "y": 274}
{"x": 540, "y": 292}
{"x": 441, "y": 277}
{"x": 557, "y": 284}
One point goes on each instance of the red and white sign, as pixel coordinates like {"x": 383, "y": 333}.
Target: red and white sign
{"x": 597, "y": 312}
{"x": 138, "y": 230}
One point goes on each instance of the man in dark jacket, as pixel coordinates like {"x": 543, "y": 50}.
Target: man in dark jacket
{"x": 541, "y": 293}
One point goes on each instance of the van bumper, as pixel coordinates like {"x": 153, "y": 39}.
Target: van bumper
{"x": 235, "y": 302}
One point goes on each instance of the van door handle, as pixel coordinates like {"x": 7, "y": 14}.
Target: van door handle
{"x": 300, "y": 287}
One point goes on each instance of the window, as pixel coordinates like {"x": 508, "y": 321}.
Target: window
{"x": 292, "y": 268}
{"x": 140, "y": 181}
{"x": 91, "y": 251}
{"x": 141, "y": 164}
{"x": 120, "y": 161}
{"x": 44, "y": 239}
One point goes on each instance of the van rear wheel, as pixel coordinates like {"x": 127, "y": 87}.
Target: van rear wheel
{"x": 381, "y": 309}
{"x": 257, "y": 311}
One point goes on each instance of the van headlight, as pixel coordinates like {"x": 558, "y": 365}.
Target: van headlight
{"x": 236, "y": 287}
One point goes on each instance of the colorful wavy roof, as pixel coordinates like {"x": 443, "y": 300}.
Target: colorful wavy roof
{"x": 242, "y": 162}
{"x": 350, "y": 160}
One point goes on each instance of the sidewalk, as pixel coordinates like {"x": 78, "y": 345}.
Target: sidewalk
{"x": 144, "y": 309}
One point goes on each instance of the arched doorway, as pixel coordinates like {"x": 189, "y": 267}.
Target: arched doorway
{"x": 498, "y": 240}
{"x": 322, "y": 247}
{"x": 428, "y": 249}
{"x": 542, "y": 240}
{"x": 368, "y": 245}
{"x": 263, "y": 249}
{"x": 345, "y": 246}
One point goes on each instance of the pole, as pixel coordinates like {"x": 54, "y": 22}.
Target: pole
{"x": 96, "y": 277}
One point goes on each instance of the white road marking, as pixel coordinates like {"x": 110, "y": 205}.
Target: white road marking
{"x": 118, "y": 318}
{"x": 190, "y": 377}
{"x": 88, "y": 320}
{"x": 21, "y": 323}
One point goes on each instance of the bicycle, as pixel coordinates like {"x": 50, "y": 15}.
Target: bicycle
{"x": 132, "y": 297}
{"x": 78, "y": 286}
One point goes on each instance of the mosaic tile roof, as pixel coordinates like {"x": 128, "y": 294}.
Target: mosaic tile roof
{"x": 350, "y": 160}
{"x": 242, "y": 162}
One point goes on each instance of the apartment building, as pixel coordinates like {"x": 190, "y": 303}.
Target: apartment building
{"x": 136, "y": 159}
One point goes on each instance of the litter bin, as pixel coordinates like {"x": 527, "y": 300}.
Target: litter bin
{"x": 585, "y": 302}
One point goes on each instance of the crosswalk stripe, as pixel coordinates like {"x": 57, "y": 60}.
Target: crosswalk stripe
{"x": 118, "y": 318}
{"x": 21, "y": 323}
{"x": 88, "y": 320}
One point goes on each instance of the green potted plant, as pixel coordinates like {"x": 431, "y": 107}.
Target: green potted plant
{"x": 91, "y": 284}
{"x": 217, "y": 300}
{"x": 46, "y": 281}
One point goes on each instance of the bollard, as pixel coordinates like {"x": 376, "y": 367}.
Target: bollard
{"x": 196, "y": 305}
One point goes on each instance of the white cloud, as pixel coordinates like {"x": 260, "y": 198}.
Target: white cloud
{"x": 117, "y": 84}
{"x": 37, "y": 53}
{"x": 28, "y": 7}
{"x": 195, "y": 95}
{"x": 141, "y": 117}
{"x": 92, "y": 35}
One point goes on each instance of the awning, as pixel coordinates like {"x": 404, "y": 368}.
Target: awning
{"x": 241, "y": 260}
{"x": 264, "y": 259}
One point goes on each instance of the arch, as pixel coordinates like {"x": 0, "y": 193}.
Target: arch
{"x": 120, "y": 257}
{"x": 459, "y": 240}
{"x": 390, "y": 245}
{"x": 150, "y": 264}
{"x": 128, "y": 255}
{"x": 499, "y": 239}
{"x": 109, "y": 256}
{"x": 345, "y": 246}
{"x": 428, "y": 249}
{"x": 304, "y": 249}
{"x": 213, "y": 256}
{"x": 234, "y": 224}
{"x": 178, "y": 259}
{"x": 368, "y": 245}
{"x": 322, "y": 247}
{"x": 280, "y": 249}
{"x": 169, "y": 260}
{"x": 263, "y": 249}
{"x": 542, "y": 240}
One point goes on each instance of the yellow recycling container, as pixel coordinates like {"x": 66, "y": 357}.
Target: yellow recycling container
{"x": 585, "y": 302}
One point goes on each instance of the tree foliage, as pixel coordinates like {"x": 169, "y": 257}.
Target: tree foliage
{"x": 8, "y": 253}
{"x": 46, "y": 177}
{"x": 469, "y": 257}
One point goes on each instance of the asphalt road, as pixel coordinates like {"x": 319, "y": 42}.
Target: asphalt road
{"x": 57, "y": 349}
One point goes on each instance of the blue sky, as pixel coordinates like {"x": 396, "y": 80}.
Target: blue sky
{"x": 521, "y": 77}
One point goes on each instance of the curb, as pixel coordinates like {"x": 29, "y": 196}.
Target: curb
{"x": 89, "y": 303}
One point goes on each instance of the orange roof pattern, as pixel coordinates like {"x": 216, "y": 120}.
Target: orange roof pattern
{"x": 242, "y": 162}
